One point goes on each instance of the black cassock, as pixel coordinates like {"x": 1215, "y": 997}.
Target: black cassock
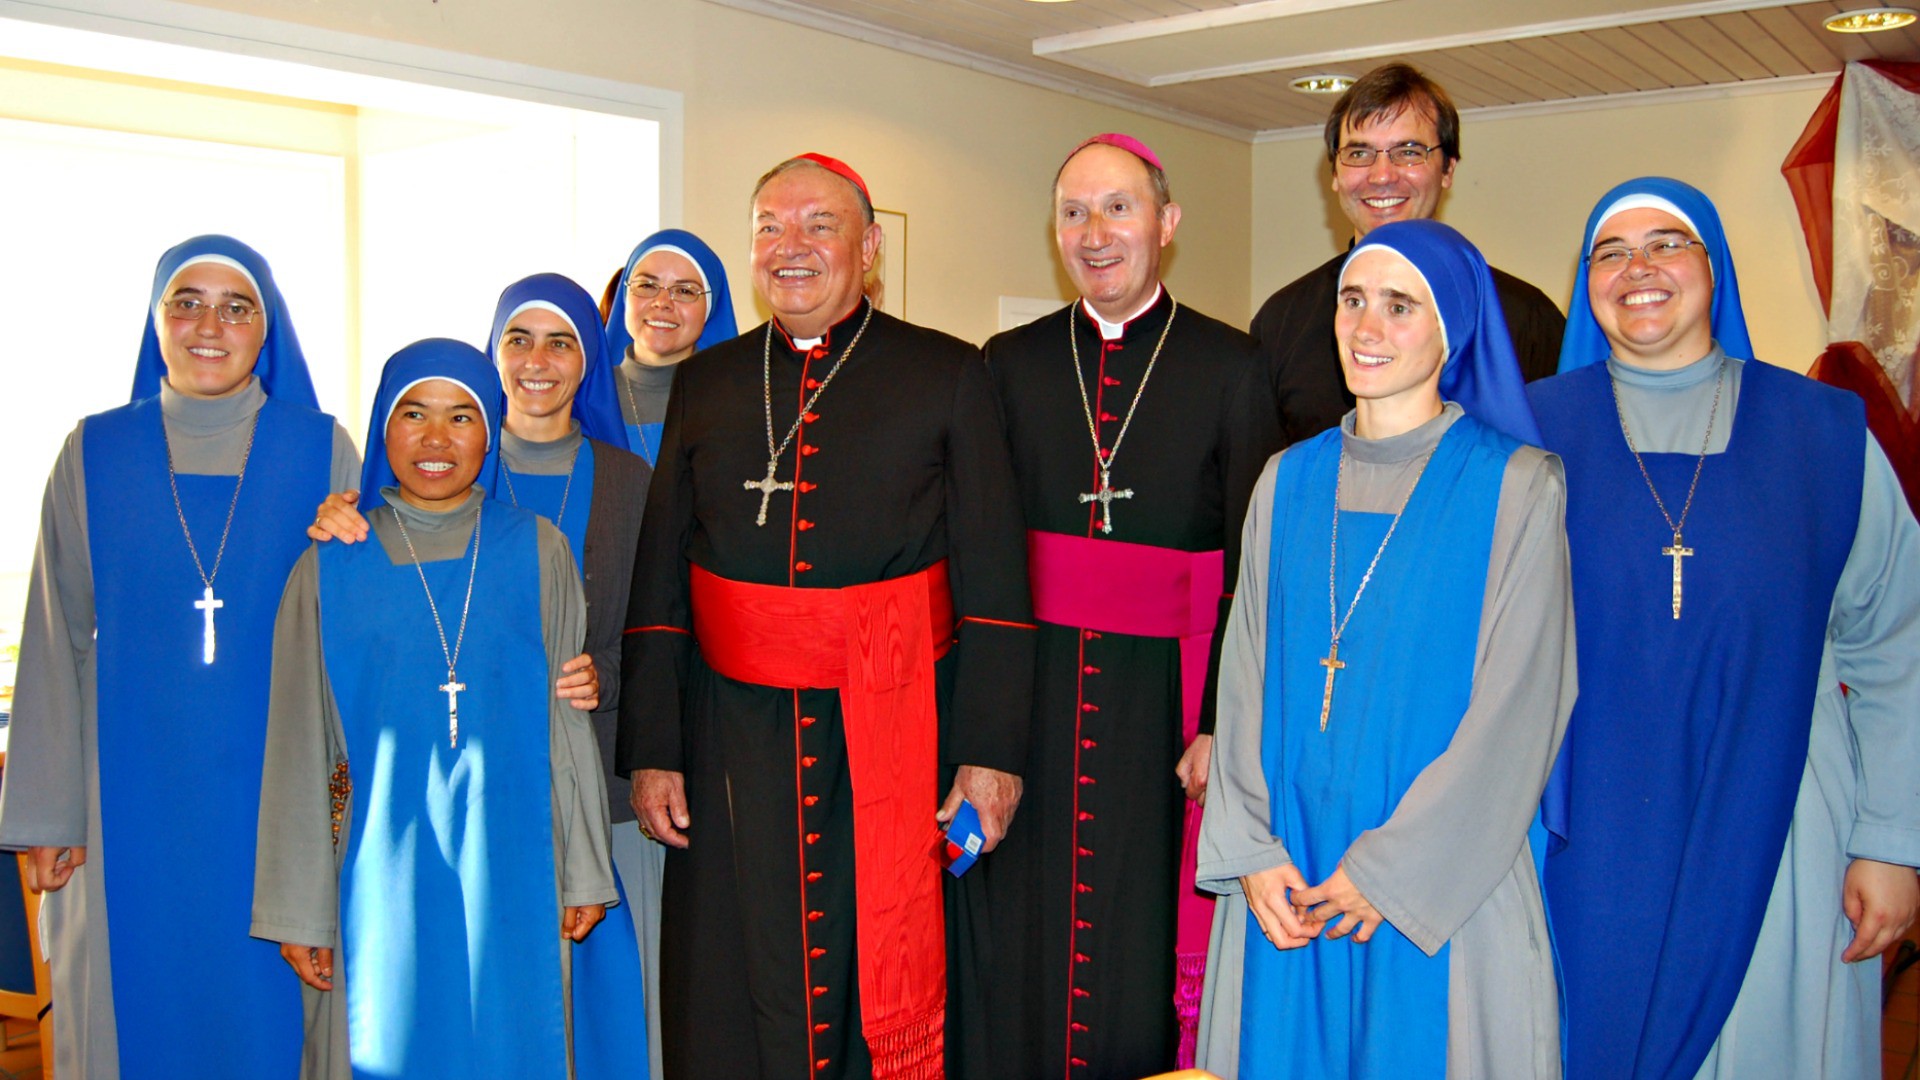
{"x": 1294, "y": 331}
{"x": 1083, "y": 890}
{"x": 902, "y": 463}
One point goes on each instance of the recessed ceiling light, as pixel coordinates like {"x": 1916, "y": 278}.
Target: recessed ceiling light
{"x": 1869, "y": 20}
{"x": 1322, "y": 84}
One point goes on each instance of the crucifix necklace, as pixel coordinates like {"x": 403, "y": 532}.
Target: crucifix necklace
{"x": 453, "y": 685}
{"x": 767, "y": 486}
{"x": 207, "y": 604}
{"x": 1105, "y": 494}
{"x": 1332, "y": 661}
{"x": 1679, "y": 550}
{"x": 565, "y": 492}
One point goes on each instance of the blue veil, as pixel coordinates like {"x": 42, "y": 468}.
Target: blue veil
{"x": 433, "y": 358}
{"x": 1481, "y": 370}
{"x": 1585, "y": 343}
{"x": 720, "y": 322}
{"x": 282, "y": 367}
{"x": 597, "y": 403}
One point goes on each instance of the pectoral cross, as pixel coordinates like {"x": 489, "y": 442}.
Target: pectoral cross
{"x": 452, "y": 690}
{"x": 207, "y": 605}
{"x": 766, "y": 488}
{"x": 1333, "y": 664}
{"x": 1677, "y": 552}
{"x": 1105, "y": 497}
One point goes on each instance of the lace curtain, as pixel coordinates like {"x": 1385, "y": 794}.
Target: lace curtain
{"x": 1855, "y": 176}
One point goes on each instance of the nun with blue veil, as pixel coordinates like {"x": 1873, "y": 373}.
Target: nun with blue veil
{"x": 670, "y": 302}
{"x": 563, "y": 456}
{"x": 1740, "y": 766}
{"x": 133, "y": 782}
{"x": 433, "y": 830}
{"x": 1396, "y": 678}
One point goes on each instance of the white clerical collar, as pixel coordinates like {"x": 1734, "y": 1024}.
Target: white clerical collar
{"x": 1113, "y": 331}
{"x": 802, "y": 344}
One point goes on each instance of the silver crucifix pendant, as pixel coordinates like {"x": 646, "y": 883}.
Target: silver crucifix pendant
{"x": 1677, "y": 552}
{"x": 207, "y": 605}
{"x": 1105, "y": 497}
{"x": 452, "y": 689}
{"x": 766, "y": 488}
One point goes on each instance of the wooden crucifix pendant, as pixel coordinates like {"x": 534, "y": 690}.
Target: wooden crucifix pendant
{"x": 1333, "y": 664}
{"x": 1676, "y": 553}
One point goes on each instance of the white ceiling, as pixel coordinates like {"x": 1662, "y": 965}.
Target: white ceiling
{"x": 1225, "y": 66}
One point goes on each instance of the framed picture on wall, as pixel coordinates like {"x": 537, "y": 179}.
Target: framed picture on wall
{"x": 887, "y": 284}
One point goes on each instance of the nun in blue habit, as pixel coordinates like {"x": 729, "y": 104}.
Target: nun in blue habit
{"x": 683, "y": 305}
{"x": 167, "y": 531}
{"x": 564, "y": 457}
{"x": 1740, "y": 764}
{"x": 433, "y": 832}
{"x": 1372, "y": 815}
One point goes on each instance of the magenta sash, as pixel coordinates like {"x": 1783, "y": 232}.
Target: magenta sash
{"x": 1120, "y": 588}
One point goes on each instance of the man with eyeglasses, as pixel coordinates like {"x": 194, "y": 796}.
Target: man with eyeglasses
{"x": 1393, "y": 140}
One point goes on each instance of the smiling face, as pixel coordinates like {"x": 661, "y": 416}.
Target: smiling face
{"x": 436, "y": 443}
{"x": 1109, "y": 231}
{"x": 1655, "y": 315}
{"x": 812, "y": 248}
{"x": 540, "y": 364}
{"x": 207, "y": 358}
{"x": 663, "y": 330}
{"x": 1383, "y": 192}
{"x": 1391, "y": 344}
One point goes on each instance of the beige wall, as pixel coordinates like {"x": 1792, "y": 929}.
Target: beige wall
{"x": 966, "y": 156}
{"x": 1526, "y": 185}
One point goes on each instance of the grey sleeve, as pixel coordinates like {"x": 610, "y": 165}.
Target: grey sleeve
{"x": 343, "y": 474}
{"x": 296, "y": 881}
{"x": 1236, "y": 834}
{"x": 1874, "y": 633}
{"x": 44, "y": 800}
{"x": 1460, "y": 827}
{"x": 582, "y": 837}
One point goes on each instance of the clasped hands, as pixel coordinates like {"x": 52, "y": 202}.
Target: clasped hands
{"x": 1291, "y": 914}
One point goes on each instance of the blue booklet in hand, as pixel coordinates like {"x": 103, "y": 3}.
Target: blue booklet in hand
{"x": 964, "y": 839}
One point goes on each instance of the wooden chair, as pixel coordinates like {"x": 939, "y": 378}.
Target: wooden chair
{"x": 36, "y": 1007}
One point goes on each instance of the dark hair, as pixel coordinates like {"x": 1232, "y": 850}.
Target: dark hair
{"x": 1156, "y": 176}
{"x": 792, "y": 163}
{"x": 1386, "y": 92}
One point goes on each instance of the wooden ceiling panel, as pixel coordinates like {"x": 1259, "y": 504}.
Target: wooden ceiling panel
{"x": 1555, "y": 52}
{"x": 1741, "y": 28}
{"x": 1559, "y": 49}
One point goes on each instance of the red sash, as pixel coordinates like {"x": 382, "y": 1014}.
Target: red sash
{"x": 876, "y": 644}
{"x": 1120, "y": 588}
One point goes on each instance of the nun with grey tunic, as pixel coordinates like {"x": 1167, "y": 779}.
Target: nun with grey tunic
{"x": 52, "y": 794}
{"x": 1453, "y": 865}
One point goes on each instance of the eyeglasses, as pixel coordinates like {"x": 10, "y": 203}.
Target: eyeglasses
{"x": 1620, "y": 256}
{"x": 1407, "y": 155}
{"x": 680, "y": 292}
{"x": 190, "y": 308}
